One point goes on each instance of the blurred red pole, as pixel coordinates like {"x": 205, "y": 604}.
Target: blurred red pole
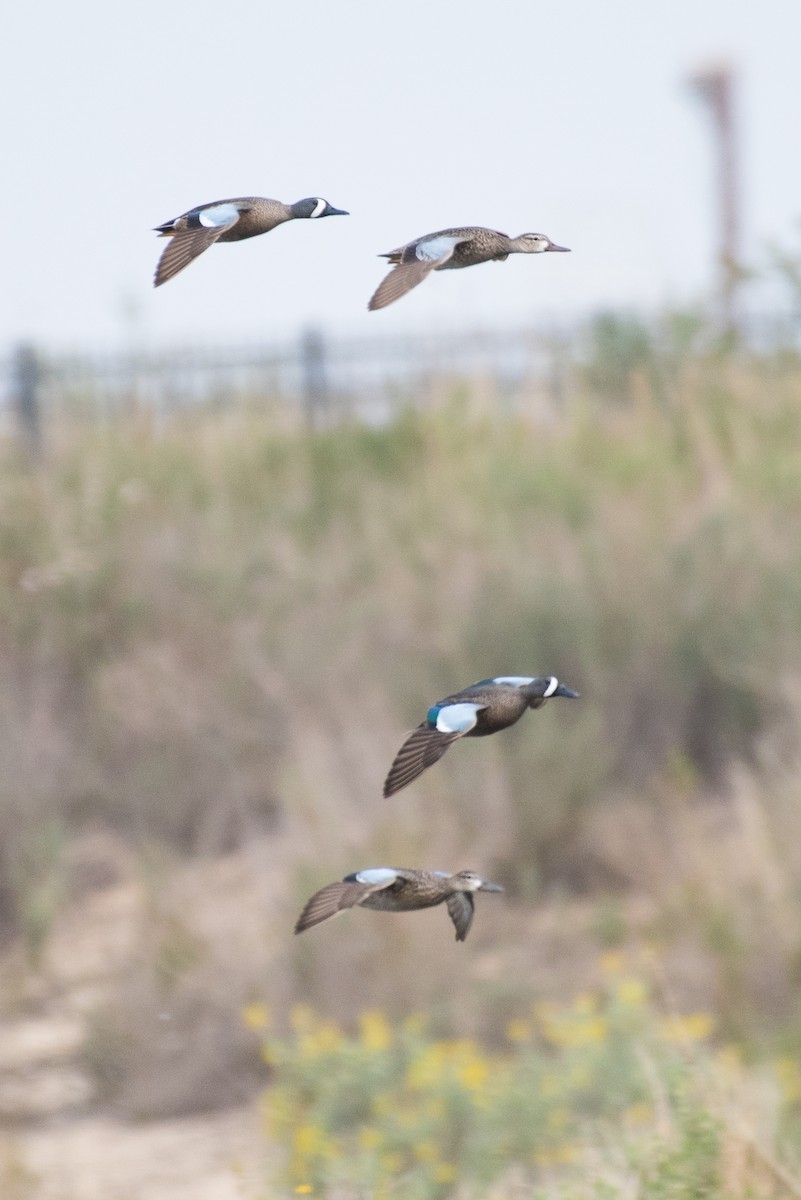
{"x": 715, "y": 85}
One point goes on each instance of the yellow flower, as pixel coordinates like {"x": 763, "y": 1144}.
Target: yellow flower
{"x": 788, "y": 1071}
{"x": 518, "y": 1030}
{"x": 595, "y": 1030}
{"x": 473, "y": 1075}
{"x": 569, "y": 1032}
{"x": 304, "y": 1189}
{"x": 631, "y": 992}
{"x": 326, "y": 1038}
{"x": 369, "y": 1138}
{"x": 278, "y": 1111}
{"x": 426, "y": 1151}
{"x": 425, "y": 1069}
{"x": 256, "y": 1016}
{"x": 444, "y": 1173}
{"x": 375, "y": 1030}
{"x": 309, "y": 1140}
{"x": 691, "y": 1028}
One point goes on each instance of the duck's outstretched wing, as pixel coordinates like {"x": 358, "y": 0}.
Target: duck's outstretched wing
{"x": 429, "y": 741}
{"x": 415, "y": 263}
{"x": 193, "y": 234}
{"x": 335, "y": 898}
{"x": 461, "y": 908}
{"x": 421, "y": 750}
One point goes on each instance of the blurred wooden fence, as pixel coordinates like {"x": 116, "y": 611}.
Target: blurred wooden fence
{"x": 314, "y": 378}
{"x": 323, "y": 380}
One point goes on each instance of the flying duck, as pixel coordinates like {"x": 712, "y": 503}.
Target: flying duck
{"x": 228, "y": 221}
{"x": 448, "y": 249}
{"x": 483, "y": 708}
{"x": 398, "y": 889}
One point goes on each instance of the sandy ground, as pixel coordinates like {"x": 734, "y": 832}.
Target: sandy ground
{"x": 54, "y": 1143}
{"x": 216, "y": 1157}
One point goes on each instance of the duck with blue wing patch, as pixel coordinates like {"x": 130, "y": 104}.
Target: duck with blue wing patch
{"x": 229, "y": 221}
{"x": 448, "y": 250}
{"x": 479, "y": 710}
{"x": 398, "y": 889}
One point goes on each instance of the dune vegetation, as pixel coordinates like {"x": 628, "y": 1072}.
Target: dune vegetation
{"x": 216, "y": 629}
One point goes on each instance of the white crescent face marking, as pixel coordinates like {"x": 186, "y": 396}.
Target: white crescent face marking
{"x": 377, "y": 875}
{"x": 436, "y": 248}
{"x": 221, "y": 214}
{"x": 552, "y": 686}
{"x": 514, "y": 680}
{"x": 457, "y": 718}
{"x": 318, "y": 208}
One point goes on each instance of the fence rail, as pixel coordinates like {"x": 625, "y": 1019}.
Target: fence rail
{"x": 320, "y": 379}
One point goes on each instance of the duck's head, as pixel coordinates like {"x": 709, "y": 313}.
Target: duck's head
{"x": 538, "y": 243}
{"x": 469, "y": 881}
{"x": 545, "y": 687}
{"x": 315, "y": 206}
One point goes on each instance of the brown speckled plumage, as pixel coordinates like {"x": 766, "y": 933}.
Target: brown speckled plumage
{"x": 448, "y": 250}
{"x": 398, "y": 889}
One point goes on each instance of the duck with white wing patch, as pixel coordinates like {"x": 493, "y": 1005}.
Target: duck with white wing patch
{"x": 449, "y": 249}
{"x": 483, "y": 708}
{"x": 229, "y": 221}
{"x": 398, "y": 889}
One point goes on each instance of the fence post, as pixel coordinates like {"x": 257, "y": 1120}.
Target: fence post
{"x": 27, "y": 379}
{"x": 314, "y": 379}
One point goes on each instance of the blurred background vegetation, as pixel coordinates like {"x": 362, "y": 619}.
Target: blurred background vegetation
{"x": 217, "y": 627}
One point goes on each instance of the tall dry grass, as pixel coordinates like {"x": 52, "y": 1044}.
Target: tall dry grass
{"x": 217, "y": 629}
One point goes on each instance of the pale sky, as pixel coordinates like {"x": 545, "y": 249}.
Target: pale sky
{"x": 570, "y": 118}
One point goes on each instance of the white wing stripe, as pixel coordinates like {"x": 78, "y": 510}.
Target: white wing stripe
{"x": 220, "y": 214}
{"x": 457, "y": 718}
{"x": 434, "y": 249}
{"x": 377, "y": 875}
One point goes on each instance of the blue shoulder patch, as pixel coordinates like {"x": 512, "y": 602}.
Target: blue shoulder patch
{"x": 432, "y": 714}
